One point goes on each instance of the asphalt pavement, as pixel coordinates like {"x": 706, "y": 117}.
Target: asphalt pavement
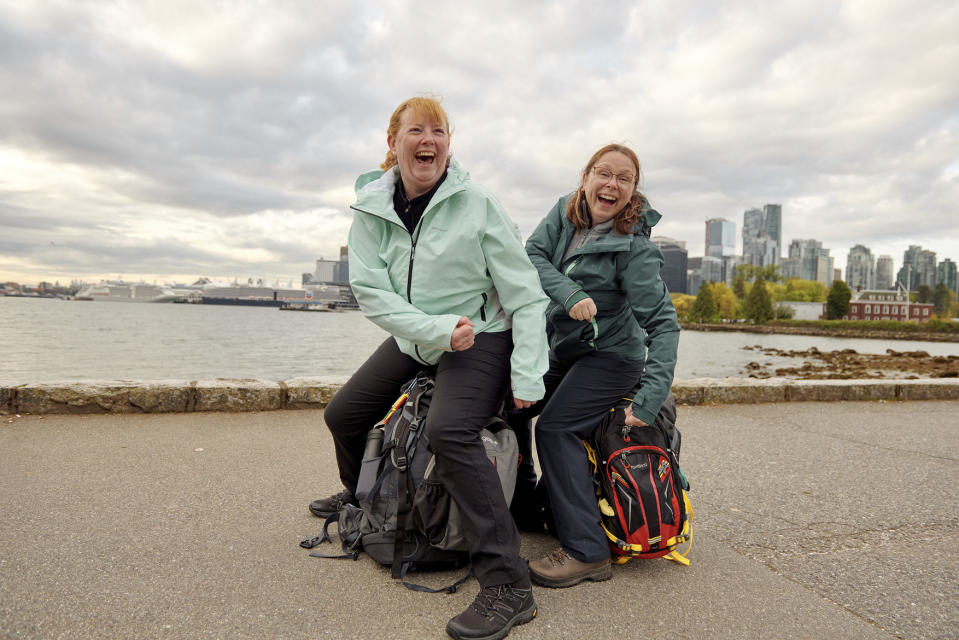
{"x": 812, "y": 520}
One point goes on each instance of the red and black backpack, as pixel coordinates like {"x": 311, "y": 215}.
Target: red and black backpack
{"x": 640, "y": 487}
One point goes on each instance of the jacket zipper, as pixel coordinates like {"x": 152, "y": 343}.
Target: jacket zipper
{"x": 409, "y": 278}
{"x": 566, "y": 271}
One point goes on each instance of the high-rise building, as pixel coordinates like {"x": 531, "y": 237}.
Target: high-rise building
{"x": 860, "y": 269}
{"x": 330, "y": 271}
{"x": 791, "y": 268}
{"x": 926, "y": 267}
{"x": 674, "y": 263}
{"x": 824, "y": 267}
{"x": 763, "y": 251}
{"x": 773, "y": 226}
{"x": 908, "y": 277}
{"x": 694, "y": 275}
{"x": 729, "y": 268}
{"x": 884, "y": 272}
{"x": 946, "y": 274}
{"x": 720, "y": 237}
{"x": 802, "y": 258}
{"x": 752, "y": 227}
{"x": 712, "y": 270}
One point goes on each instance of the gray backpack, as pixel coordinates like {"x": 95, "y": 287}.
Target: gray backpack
{"x": 399, "y": 490}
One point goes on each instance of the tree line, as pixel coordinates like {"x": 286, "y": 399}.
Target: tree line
{"x": 757, "y": 295}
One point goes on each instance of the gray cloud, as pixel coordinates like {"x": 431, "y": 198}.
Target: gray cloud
{"x": 150, "y": 139}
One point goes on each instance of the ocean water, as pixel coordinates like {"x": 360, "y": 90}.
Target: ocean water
{"x": 50, "y": 340}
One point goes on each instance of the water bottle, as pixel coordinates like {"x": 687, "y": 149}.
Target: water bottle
{"x": 374, "y": 444}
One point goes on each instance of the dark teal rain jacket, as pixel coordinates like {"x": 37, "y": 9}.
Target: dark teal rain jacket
{"x": 635, "y": 316}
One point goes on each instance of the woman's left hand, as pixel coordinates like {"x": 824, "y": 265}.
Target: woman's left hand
{"x": 523, "y": 404}
{"x": 633, "y": 421}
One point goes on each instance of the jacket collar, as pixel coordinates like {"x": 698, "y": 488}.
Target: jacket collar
{"x": 374, "y": 191}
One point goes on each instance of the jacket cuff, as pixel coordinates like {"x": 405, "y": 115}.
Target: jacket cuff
{"x": 446, "y": 325}
{"x": 532, "y": 392}
{"x": 574, "y": 298}
{"x": 643, "y": 414}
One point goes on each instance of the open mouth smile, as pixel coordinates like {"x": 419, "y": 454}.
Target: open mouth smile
{"x": 425, "y": 157}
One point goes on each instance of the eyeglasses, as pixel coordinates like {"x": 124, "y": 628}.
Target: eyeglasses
{"x": 624, "y": 180}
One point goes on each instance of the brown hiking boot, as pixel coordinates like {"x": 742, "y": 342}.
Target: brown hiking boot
{"x": 559, "y": 569}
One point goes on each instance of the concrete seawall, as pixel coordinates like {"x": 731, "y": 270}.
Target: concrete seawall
{"x": 221, "y": 394}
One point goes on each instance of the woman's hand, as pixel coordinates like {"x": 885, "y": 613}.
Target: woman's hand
{"x": 583, "y": 310}
{"x": 462, "y": 338}
{"x": 633, "y": 421}
{"x": 523, "y": 404}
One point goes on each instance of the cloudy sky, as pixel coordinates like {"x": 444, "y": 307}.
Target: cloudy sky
{"x": 169, "y": 140}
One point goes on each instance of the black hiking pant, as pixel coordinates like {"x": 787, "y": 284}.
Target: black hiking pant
{"x": 469, "y": 389}
{"x": 578, "y": 394}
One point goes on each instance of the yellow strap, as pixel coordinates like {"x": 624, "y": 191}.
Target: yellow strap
{"x": 675, "y": 555}
{"x": 591, "y": 455}
{"x": 685, "y": 536}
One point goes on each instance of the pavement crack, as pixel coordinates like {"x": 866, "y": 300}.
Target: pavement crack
{"x": 799, "y": 427}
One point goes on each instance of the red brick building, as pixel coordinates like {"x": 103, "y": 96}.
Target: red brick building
{"x": 886, "y": 305}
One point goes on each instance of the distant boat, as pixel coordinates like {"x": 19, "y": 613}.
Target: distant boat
{"x": 110, "y": 291}
{"x": 251, "y": 295}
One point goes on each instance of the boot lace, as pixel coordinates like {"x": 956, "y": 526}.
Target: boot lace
{"x": 495, "y": 601}
{"x": 558, "y": 557}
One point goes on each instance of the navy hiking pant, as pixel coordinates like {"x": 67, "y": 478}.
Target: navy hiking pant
{"x": 578, "y": 394}
{"x": 470, "y": 386}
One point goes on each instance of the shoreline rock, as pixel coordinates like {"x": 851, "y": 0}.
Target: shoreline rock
{"x": 874, "y": 334}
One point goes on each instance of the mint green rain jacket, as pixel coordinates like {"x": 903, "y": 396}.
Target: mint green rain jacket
{"x": 634, "y": 310}
{"x": 464, "y": 258}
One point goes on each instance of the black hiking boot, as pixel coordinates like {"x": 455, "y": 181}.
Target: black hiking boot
{"x": 494, "y": 612}
{"x": 326, "y": 507}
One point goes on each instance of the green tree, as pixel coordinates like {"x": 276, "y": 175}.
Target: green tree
{"x": 769, "y": 273}
{"x": 837, "y": 302}
{"x": 704, "y": 309}
{"x": 924, "y": 293}
{"x": 725, "y": 300}
{"x": 740, "y": 276}
{"x": 942, "y": 299}
{"x": 758, "y": 307}
{"x": 682, "y": 303}
{"x": 798, "y": 290}
{"x": 783, "y": 312}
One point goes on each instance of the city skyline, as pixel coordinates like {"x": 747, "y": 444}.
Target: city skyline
{"x": 804, "y": 258}
{"x": 177, "y": 140}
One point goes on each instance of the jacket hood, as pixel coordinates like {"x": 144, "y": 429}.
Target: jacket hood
{"x": 651, "y": 217}
{"x": 381, "y": 180}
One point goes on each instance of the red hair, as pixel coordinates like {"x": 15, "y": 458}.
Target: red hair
{"x": 426, "y": 107}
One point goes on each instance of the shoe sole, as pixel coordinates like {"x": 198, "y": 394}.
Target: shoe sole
{"x": 520, "y": 618}
{"x": 597, "y": 575}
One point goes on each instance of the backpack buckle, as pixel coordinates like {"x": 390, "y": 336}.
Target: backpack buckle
{"x": 400, "y": 460}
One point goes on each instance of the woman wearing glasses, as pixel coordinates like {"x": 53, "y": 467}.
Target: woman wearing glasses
{"x": 608, "y": 305}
